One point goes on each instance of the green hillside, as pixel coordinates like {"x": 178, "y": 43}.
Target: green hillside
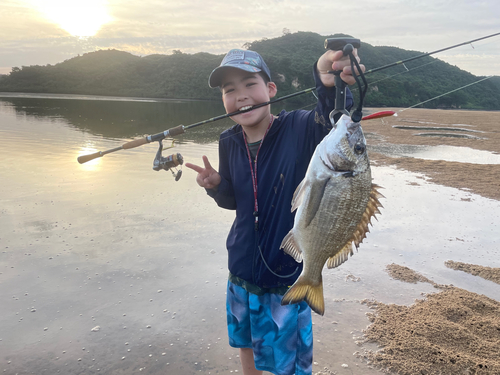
{"x": 290, "y": 58}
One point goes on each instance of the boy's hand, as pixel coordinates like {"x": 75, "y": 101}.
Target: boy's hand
{"x": 335, "y": 60}
{"x": 207, "y": 177}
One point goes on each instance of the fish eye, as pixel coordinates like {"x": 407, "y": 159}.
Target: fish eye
{"x": 359, "y": 148}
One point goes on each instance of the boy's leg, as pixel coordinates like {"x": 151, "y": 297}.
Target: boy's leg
{"x": 247, "y": 362}
{"x": 272, "y": 337}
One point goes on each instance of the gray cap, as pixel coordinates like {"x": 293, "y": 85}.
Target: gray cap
{"x": 249, "y": 61}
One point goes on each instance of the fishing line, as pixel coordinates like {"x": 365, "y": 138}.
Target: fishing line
{"x": 397, "y": 74}
{"x": 429, "y": 53}
{"x": 446, "y": 93}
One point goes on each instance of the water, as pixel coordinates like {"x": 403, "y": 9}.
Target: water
{"x": 441, "y": 152}
{"x": 110, "y": 267}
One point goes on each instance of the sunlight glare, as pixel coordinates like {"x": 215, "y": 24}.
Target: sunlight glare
{"x": 91, "y": 165}
{"x": 79, "y": 18}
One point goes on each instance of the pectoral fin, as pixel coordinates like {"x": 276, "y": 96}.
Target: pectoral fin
{"x": 316, "y": 193}
{"x": 298, "y": 195}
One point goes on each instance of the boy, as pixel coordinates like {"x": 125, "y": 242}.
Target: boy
{"x": 262, "y": 160}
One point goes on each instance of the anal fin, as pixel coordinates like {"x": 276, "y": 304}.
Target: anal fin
{"x": 341, "y": 256}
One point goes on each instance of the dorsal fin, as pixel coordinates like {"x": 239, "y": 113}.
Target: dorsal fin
{"x": 372, "y": 208}
{"x": 360, "y": 231}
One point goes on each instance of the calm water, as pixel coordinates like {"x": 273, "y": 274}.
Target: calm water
{"x": 110, "y": 267}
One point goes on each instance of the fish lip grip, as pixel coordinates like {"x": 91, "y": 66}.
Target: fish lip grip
{"x": 337, "y": 44}
{"x": 346, "y": 45}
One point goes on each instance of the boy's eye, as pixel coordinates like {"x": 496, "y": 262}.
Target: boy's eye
{"x": 227, "y": 91}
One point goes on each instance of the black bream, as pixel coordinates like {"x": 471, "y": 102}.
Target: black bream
{"x": 335, "y": 203}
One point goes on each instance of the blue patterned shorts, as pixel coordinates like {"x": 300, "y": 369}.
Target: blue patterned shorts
{"x": 280, "y": 336}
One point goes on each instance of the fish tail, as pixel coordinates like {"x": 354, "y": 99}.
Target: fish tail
{"x": 305, "y": 289}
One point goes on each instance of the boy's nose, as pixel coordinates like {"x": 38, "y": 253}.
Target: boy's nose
{"x": 242, "y": 96}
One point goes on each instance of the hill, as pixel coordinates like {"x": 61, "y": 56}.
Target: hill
{"x": 290, "y": 59}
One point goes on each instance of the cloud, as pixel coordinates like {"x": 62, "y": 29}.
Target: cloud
{"x": 158, "y": 26}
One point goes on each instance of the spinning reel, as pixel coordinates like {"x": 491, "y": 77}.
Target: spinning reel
{"x": 168, "y": 162}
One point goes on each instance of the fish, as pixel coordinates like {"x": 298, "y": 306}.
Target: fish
{"x": 335, "y": 203}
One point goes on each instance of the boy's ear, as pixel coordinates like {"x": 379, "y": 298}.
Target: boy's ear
{"x": 273, "y": 89}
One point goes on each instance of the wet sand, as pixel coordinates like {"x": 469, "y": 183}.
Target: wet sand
{"x": 482, "y": 179}
{"x": 452, "y": 330}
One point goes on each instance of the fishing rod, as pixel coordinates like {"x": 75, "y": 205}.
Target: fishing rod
{"x": 181, "y": 129}
{"x": 428, "y": 54}
{"x": 347, "y": 45}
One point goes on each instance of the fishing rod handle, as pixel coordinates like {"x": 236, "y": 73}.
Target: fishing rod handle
{"x": 85, "y": 158}
{"x": 176, "y": 131}
{"x": 135, "y": 143}
{"x": 156, "y": 137}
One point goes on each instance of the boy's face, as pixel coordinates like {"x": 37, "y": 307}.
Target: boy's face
{"x": 241, "y": 89}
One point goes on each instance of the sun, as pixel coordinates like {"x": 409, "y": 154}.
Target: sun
{"x": 79, "y": 18}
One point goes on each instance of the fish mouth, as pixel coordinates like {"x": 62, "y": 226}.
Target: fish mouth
{"x": 347, "y": 172}
{"x": 344, "y": 170}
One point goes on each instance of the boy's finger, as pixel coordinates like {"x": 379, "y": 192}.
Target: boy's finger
{"x": 206, "y": 162}
{"x": 348, "y": 70}
{"x": 194, "y": 167}
{"x": 336, "y": 55}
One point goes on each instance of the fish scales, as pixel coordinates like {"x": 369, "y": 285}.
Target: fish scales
{"x": 335, "y": 203}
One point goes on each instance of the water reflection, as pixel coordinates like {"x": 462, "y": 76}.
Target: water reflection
{"x": 442, "y": 128}
{"x": 448, "y": 135}
{"x": 127, "y": 249}
{"x": 126, "y": 119}
{"x": 441, "y": 152}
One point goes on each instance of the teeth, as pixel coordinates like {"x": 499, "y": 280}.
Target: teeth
{"x": 245, "y": 108}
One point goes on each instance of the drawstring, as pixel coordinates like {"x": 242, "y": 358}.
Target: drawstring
{"x": 253, "y": 171}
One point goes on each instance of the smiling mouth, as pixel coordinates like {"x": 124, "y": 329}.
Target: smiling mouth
{"x": 245, "y": 108}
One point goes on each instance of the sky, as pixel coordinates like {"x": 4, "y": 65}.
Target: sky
{"x": 41, "y": 32}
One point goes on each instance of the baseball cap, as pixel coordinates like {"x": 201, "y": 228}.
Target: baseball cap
{"x": 249, "y": 61}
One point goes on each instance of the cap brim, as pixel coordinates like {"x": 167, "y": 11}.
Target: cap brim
{"x": 215, "y": 79}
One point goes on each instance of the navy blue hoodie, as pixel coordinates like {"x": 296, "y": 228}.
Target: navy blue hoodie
{"x": 282, "y": 163}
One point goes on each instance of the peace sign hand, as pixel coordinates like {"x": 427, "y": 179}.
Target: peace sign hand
{"x": 207, "y": 177}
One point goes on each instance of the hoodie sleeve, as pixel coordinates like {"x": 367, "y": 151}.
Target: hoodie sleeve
{"x": 224, "y": 194}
